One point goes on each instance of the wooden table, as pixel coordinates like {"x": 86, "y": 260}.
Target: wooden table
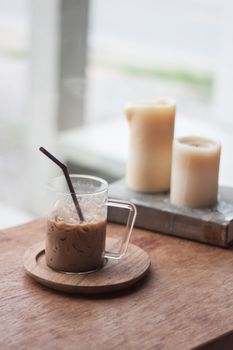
{"x": 185, "y": 302}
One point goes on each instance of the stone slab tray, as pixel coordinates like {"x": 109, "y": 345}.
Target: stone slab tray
{"x": 156, "y": 213}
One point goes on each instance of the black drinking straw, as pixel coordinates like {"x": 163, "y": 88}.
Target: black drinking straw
{"x": 68, "y": 180}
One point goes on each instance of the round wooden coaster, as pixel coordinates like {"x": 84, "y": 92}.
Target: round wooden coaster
{"x": 115, "y": 275}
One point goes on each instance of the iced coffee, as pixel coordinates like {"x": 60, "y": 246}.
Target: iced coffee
{"x": 77, "y": 247}
{"x": 74, "y": 243}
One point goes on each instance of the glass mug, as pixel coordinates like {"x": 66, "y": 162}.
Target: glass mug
{"x": 74, "y": 246}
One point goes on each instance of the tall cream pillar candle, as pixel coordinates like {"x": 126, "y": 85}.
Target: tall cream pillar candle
{"x": 195, "y": 168}
{"x": 151, "y": 134}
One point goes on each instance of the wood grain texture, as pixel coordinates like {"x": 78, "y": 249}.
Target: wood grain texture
{"x": 114, "y": 276}
{"x": 156, "y": 213}
{"x": 185, "y": 302}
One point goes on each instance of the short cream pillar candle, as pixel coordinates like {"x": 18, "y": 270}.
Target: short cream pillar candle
{"x": 195, "y": 168}
{"x": 151, "y": 135}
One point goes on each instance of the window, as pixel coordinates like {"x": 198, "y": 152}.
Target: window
{"x": 65, "y": 80}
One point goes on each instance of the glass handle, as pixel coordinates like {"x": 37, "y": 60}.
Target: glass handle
{"x": 128, "y": 228}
